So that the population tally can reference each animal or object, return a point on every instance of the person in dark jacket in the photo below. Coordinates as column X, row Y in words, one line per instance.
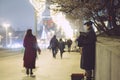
column 61, row 47
column 88, row 44
column 69, row 43
column 30, row 53
column 54, row 45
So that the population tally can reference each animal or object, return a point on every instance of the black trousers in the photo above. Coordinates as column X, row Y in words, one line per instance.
column 29, row 71
column 54, row 52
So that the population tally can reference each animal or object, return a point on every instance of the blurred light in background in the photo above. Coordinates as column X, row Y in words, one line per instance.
column 62, row 23
column 6, row 25
column 15, row 45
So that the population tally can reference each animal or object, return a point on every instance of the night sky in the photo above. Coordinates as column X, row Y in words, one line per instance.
column 19, row 13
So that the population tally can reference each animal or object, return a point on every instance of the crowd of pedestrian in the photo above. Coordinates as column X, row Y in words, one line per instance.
column 59, row 45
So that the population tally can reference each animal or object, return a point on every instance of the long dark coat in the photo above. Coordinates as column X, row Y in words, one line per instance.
column 88, row 51
column 30, row 52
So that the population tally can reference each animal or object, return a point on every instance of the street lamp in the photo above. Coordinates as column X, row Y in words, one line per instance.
column 10, row 38
column 6, row 29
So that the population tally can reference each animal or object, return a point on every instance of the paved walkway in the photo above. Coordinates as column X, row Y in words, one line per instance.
column 47, row 68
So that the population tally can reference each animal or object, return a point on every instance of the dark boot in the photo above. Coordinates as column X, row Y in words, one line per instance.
column 31, row 72
column 61, row 55
column 88, row 74
column 88, row 78
column 27, row 71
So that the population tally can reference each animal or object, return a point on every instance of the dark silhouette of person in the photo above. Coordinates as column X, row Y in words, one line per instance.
column 30, row 53
column 61, row 47
column 69, row 43
column 54, row 45
column 80, row 40
column 88, row 44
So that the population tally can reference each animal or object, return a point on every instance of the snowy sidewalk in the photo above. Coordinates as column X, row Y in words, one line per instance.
column 47, row 68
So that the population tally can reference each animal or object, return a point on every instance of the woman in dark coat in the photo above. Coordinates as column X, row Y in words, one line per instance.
column 30, row 53
column 88, row 50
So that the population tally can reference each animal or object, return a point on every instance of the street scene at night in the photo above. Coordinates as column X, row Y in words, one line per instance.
column 59, row 39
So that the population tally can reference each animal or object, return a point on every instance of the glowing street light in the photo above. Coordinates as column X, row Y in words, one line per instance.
column 10, row 38
column 6, row 25
column 63, row 23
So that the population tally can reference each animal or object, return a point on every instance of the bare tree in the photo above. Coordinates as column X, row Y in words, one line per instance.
column 97, row 10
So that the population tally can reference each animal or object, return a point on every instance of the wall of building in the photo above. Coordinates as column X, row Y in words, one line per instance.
column 108, row 59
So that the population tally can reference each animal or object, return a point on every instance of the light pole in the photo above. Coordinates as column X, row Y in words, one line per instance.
column 36, row 20
column 10, row 38
column 6, row 29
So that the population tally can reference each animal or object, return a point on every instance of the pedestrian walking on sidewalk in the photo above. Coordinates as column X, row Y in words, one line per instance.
column 54, row 45
column 88, row 44
column 30, row 53
column 61, row 47
column 69, row 43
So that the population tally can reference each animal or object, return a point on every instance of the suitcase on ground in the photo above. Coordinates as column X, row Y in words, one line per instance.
column 77, row 76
